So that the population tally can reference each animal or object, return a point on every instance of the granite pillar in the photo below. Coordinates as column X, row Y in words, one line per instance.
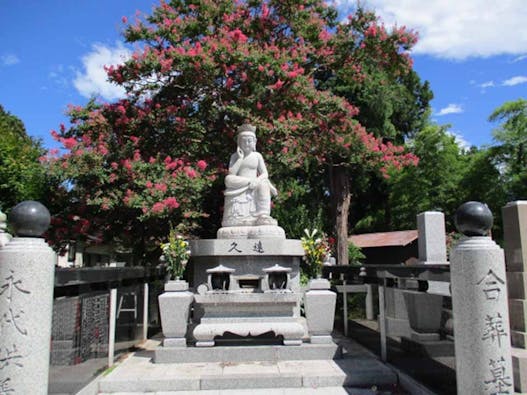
column 481, row 317
column 26, row 293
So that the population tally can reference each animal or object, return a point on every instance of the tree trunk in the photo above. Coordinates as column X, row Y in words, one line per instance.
column 341, row 199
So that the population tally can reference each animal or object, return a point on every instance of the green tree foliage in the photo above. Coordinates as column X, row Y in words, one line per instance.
column 447, row 176
column 21, row 175
column 484, row 182
column 202, row 68
column 511, row 151
column 434, row 183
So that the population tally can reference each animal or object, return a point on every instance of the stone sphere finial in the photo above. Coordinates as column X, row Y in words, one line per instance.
column 473, row 219
column 29, row 219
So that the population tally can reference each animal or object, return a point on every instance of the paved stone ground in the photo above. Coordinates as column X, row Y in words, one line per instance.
column 71, row 379
column 435, row 374
column 356, row 373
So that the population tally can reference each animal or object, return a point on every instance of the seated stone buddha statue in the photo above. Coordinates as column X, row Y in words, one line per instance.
column 247, row 187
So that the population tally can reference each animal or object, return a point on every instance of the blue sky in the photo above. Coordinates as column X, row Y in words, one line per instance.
column 473, row 52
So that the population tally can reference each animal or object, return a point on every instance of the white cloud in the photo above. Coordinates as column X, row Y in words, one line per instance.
column 9, row 59
column 519, row 79
column 93, row 79
column 450, row 109
column 487, row 84
column 460, row 140
column 519, row 59
column 457, row 29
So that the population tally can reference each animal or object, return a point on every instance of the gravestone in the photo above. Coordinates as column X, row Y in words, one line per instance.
column 413, row 314
column 425, row 309
column 515, row 238
column 432, row 239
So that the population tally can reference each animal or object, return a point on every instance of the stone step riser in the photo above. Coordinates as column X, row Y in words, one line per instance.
column 364, row 379
column 246, row 353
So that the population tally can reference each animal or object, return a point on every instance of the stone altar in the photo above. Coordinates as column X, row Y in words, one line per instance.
column 250, row 299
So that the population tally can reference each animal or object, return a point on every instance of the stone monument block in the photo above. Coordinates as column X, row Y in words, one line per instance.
column 432, row 239
column 515, row 235
column 515, row 238
column 518, row 339
column 517, row 285
column 518, row 314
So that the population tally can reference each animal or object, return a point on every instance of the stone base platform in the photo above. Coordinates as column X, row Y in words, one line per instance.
column 238, row 354
column 359, row 371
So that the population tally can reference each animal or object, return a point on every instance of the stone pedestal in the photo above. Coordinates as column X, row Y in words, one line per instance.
column 319, row 303
column 251, row 232
column 515, row 238
column 174, row 307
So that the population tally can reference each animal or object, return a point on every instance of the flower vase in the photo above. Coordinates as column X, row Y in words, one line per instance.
column 319, row 304
column 174, row 307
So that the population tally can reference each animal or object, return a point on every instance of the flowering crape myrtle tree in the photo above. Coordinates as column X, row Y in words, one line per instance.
column 201, row 68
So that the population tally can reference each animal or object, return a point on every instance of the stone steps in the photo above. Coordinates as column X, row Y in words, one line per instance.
column 357, row 371
column 138, row 374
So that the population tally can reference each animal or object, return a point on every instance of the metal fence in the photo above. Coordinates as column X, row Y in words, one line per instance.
column 83, row 324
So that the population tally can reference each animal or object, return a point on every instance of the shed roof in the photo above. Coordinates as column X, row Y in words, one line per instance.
column 384, row 239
